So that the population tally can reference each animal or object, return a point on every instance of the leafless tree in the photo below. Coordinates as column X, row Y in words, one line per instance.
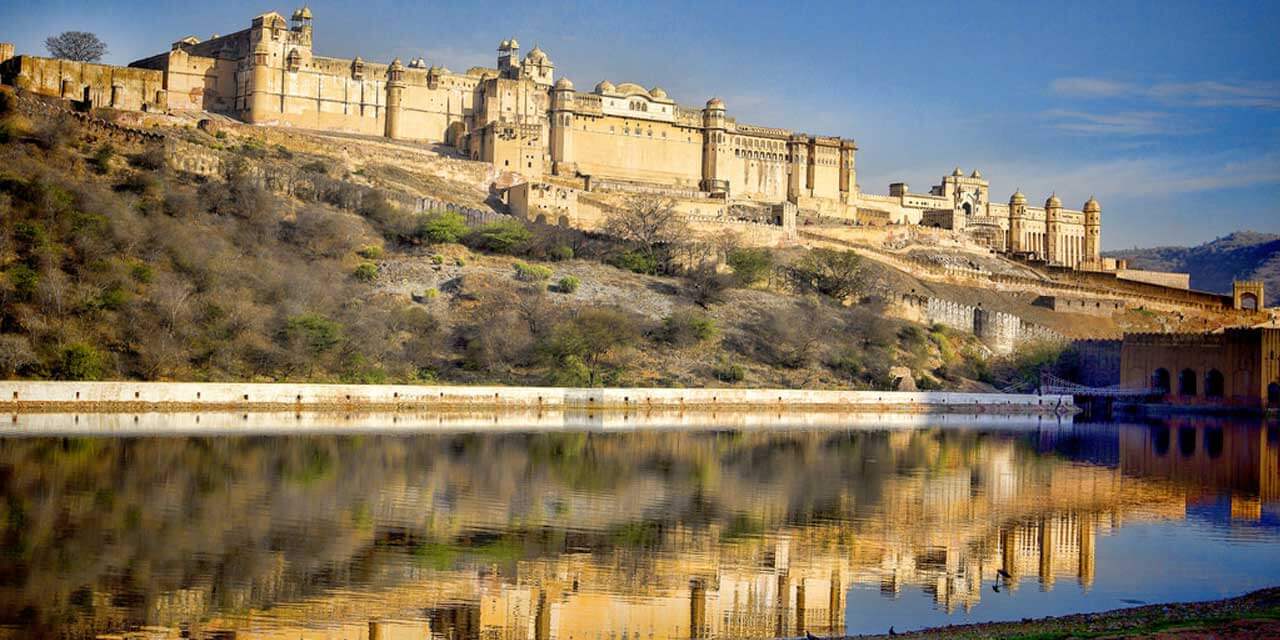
column 81, row 46
column 648, row 222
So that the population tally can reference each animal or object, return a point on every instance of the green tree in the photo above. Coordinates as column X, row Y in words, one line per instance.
column 750, row 264
column 79, row 361
column 586, row 342
column 316, row 333
column 442, row 226
column 500, row 237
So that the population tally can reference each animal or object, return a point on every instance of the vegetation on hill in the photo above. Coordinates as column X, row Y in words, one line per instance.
column 1243, row 255
column 114, row 267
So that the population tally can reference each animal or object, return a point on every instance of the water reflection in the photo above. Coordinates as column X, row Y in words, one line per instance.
column 627, row 536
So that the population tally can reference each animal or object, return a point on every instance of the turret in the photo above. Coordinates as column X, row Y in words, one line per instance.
column 562, row 105
column 260, row 94
column 715, row 143
column 301, row 25
column 1093, row 232
column 1017, row 222
column 509, row 58
column 395, row 98
column 848, row 170
column 1052, row 229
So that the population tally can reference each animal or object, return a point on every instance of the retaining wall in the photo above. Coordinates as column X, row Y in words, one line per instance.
column 521, row 421
column 16, row 396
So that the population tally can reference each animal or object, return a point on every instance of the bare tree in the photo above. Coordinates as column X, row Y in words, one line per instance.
column 648, row 222
column 81, row 46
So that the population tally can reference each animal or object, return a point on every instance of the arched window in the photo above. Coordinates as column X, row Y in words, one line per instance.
column 1214, row 385
column 1160, row 381
column 1187, row 441
column 1213, row 441
column 1160, row 440
column 1187, row 383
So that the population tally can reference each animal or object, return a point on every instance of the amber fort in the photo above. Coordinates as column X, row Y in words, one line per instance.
column 522, row 118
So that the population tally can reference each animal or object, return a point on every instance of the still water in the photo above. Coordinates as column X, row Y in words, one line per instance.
column 632, row 535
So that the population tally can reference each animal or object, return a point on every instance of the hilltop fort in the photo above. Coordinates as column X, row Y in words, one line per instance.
column 519, row 117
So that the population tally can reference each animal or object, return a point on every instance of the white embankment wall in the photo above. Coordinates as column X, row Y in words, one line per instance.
column 17, row 395
column 217, row 423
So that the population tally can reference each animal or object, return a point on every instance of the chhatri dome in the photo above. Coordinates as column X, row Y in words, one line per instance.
column 975, row 174
column 563, row 83
column 536, row 55
column 605, row 86
column 1091, row 205
column 1053, row 202
column 1018, row 197
column 658, row 93
column 957, row 173
column 715, row 103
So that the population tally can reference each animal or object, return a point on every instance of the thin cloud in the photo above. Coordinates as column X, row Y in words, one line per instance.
column 1127, row 123
column 1207, row 94
column 1090, row 88
column 1219, row 94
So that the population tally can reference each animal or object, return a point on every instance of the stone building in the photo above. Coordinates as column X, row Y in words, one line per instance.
column 519, row 117
column 1232, row 367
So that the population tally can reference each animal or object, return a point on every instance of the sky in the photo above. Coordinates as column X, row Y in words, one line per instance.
column 1168, row 112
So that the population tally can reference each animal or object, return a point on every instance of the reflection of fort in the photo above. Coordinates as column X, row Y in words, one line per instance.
column 781, row 567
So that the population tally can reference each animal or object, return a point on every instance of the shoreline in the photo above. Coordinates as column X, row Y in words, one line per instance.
column 1252, row 615
column 26, row 397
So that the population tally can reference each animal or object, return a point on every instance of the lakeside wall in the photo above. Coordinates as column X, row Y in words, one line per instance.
column 19, row 396
column 228, row 423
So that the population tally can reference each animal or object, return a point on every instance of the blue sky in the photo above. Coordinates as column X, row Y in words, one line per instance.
column 1169, row 112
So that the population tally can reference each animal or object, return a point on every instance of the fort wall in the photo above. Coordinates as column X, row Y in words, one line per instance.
column 100, row 84
column 1001, row 331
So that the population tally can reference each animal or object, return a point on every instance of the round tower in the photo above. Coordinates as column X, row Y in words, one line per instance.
column 1052, row 229
column 260, row 102
column 714, row 143
column 395, row 98
column 562, row 127
column 1017, row 222
column 1093, row 232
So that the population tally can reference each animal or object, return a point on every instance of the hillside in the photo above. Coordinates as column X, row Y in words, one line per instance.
column 1243, row 255
column 309, row 257
column 115, row 266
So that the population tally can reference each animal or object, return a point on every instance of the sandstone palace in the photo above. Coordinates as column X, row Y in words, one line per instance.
column 561, row 141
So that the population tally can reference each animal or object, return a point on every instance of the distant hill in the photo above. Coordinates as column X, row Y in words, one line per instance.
column 1243, row 255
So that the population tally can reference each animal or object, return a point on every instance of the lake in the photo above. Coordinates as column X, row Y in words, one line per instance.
column 633, row 534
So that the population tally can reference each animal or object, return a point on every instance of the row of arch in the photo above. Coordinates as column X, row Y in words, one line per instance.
column 1191, row 385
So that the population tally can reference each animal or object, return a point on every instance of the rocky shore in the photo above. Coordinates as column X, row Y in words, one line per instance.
column 1253, row 615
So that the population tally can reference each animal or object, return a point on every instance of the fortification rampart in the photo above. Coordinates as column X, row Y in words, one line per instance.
column 1001, row 331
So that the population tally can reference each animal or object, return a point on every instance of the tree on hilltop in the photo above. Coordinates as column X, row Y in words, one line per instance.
column 80, row 46
column 648, row 222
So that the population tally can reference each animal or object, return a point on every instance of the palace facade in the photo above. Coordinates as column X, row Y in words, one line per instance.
column 521, row 118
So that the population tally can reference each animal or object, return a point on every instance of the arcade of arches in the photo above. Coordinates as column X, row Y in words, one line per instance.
column 1236, row 366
